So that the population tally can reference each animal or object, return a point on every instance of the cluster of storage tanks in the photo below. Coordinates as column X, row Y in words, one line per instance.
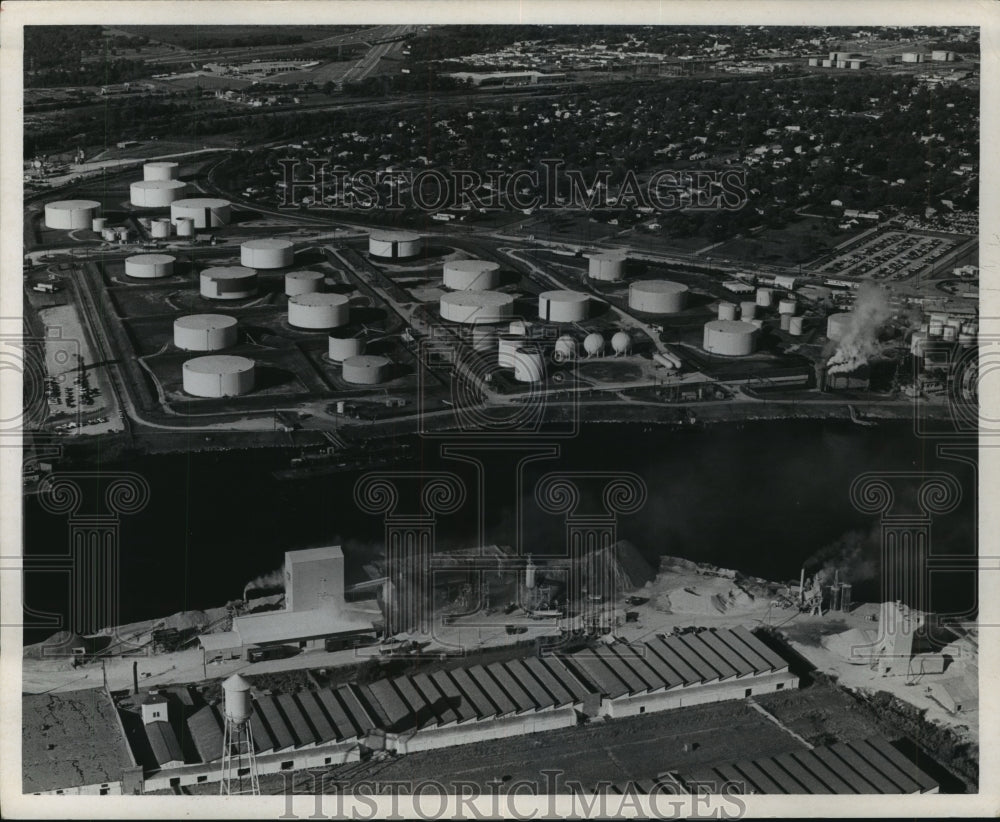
column 941, row 327
column 395, row 245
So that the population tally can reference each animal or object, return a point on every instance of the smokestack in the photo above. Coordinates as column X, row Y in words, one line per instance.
column 802, row 586
column 135, row 676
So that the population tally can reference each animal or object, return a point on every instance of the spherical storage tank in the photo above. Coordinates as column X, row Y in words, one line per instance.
column 71, row 214
column 218, row 375
column 340, row 349
column 155, row 193
column 727, row 311
column 477, row 307
column 228, row 282
column 607, row 266
column 837, row 325
column 205, row 212
column 593, row 344
column 149, row 265
column 237, row 699
column 159, row 228
column 565, row 349
column 563, row 306
column 657, row 296
column 477, row 275
column 205, row 332
column 367, row 369
column 394, row 245
column 160, row 171
column 621, row 342
column 528, row 364
column 319, row 310
column 730, row 338
column 303, row 282
column 267, row 253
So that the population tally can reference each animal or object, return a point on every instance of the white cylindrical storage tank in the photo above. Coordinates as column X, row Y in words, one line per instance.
column 228, row 282
column 949, row 333
column 395, row 245
column 837, row 325
column 918, row 343
column 563, row 306
column 236, row 691
column 340, row 349
column 787, row 307
column 529, row 366
column 205, row 332
column 565, row 349
column 367, row 369
column 476, row 307
column 785, row 321
column 149, row 265
column 748, row 310
column 159, row 229
column 109, row 234
column 156, row 193
column 606, row 266
column 303, row 282
column 730, row 338
column 483, row 337
column 69, row 215
column 98, row 224
column 475, row 275
column 657, row 296
column 218, row 375
column 764, row 297
column 184, row 226
column 160, row 170
column 727, row 311
column 319, row 310
column 507, row 344
column 267, row 253
column 795, row 326
column 621, row 343
column 205, row 212
column 593, row 344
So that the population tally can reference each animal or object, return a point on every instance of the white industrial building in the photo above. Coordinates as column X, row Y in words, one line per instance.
column 657, row 296
column 218, row 375
column 70, row 215
column 563, row 306
column 607, row 266
column 471, row 275
column 156, row 193
column 395, row 245
column 367, row 369
column 476, row 307
column 205, row 332
column 232, row 282
column 730, row 338
column 204, row 212
column 267, row 253
column 149, row 266
column 303, row 282
column 318, row 310
column 160, row 170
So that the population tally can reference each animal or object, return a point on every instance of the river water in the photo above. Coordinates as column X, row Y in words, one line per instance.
column 763, row 498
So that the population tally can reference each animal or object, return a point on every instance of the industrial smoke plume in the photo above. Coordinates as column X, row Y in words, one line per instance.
column 860, row 342
column 854, row 556
column 275, row 579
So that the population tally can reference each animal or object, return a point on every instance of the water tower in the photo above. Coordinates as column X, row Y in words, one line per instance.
column 239, row 760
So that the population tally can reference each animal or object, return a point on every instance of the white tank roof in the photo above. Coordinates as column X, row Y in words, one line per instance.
column 737, row 327
column 236, row 683
column 659, row 287
column 304, row 275
column 473, row 266
column 316, row 298
column 205, row 322
column 267, row 243
column 367, row 361
column 219, row 364
column 607, row 255
column 478, row 298
column 201, row 202
column 159, row 184
column 150, row 259
column 73, row 205
column 394, row 236
column 564, row 296
column 229, row 272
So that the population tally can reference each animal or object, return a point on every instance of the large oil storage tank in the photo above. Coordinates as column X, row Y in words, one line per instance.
column 730, row 338
column 160, row 170
column 184, row 226
column 268, row 252
column 471, row 275
column 160, row 229
column 593, row 344
column 606, row 266
column 395, row 245
column 205, row 332
column 565, row 349
column 563, row 306
column 70, row 215
column 367, row 369
column 319, row 310
column 343, row 348
column 231, row 282
column 156, row 193
column 529, row 366
column 218, row 375
column 727, row 311
column 149, row 266
column 477, row 307
column 838, row 324
column 657, row 296
column 748, row 310
column 303, row 282
column 764, row 297
column 205, row 212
